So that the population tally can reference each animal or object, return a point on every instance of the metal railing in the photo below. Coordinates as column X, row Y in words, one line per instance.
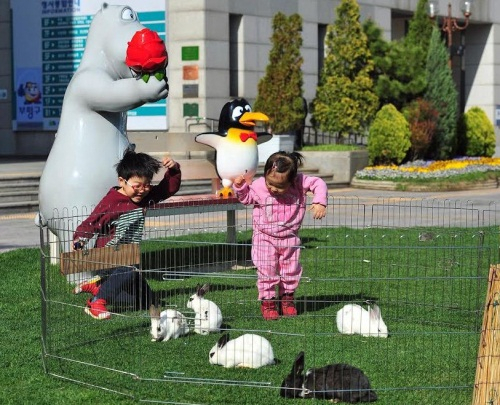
column 196, row 121
column 314, row 136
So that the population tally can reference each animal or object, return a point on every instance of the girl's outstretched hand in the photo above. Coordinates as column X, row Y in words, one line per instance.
column 239, row 181
column 318, row 211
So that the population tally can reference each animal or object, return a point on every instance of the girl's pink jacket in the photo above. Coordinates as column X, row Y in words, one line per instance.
column 281, row 215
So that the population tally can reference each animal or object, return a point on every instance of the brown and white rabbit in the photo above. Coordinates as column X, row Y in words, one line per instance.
column 340, row 382
column 208, row 316
column 169, row 324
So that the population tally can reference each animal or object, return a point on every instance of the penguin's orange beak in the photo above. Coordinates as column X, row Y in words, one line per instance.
column 248, row 119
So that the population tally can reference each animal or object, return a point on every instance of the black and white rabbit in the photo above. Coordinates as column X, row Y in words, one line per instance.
column 208, row 316
column 341, row 382
column 167, row 324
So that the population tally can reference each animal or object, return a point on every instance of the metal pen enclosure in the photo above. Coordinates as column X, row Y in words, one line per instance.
column 424, row 262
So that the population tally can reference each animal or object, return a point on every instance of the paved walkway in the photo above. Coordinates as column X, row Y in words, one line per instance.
column 15, row 166
column 19, row 230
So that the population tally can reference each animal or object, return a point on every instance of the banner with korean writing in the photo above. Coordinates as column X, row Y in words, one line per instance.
column 49, row 36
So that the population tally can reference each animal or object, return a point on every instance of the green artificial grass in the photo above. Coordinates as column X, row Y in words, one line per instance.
column 22, row 377
column 430, row 288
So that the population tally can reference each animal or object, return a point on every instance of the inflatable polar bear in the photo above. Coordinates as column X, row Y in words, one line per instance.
column 91, row 136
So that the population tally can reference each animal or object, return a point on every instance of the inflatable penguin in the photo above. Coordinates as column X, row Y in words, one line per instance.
column 235, row 143
column 91, row 136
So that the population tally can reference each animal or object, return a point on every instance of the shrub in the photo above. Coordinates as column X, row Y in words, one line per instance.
column 478, row 133
column 389, row 138
column 422, row 118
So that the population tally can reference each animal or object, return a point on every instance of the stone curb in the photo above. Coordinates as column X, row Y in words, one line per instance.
column 400, row 186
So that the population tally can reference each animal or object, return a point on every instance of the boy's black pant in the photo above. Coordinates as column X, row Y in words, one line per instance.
column 125, row 286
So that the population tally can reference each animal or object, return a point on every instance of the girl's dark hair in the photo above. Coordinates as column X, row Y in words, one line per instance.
column 137, row 164
column 284, row 162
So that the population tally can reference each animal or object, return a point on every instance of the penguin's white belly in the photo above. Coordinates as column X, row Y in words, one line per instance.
column 233, row 164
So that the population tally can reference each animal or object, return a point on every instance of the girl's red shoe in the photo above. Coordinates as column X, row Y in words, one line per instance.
column 269, row 310
column 287, row 305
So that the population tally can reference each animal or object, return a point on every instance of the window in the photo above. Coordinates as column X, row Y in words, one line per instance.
column 321, row 48
column 234, row 28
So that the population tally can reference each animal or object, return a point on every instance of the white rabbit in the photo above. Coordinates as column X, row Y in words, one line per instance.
column 169, row 324
column 249, row 350
column 208, row 316
column 354, row 319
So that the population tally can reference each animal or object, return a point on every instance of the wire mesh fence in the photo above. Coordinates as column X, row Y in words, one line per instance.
column 423, row 264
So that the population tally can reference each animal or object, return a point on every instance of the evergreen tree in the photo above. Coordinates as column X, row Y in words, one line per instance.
column 442, row 93
column 345, row 101
column 420, row 29
column 403, row 81
column 280, row 90
column 404, row 76
column 379, row 49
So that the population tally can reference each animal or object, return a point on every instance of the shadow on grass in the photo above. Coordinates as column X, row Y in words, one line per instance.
column 316, row 303
column 183, row 291
column 177, row 262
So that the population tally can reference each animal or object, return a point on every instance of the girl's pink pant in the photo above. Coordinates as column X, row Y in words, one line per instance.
column 277, row 262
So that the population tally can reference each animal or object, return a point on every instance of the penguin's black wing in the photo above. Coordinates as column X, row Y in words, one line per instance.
column 263, row 137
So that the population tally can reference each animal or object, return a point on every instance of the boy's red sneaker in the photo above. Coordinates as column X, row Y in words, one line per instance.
column 90, row 286
column 97, row 309
column 287, row 305
column 268, row 310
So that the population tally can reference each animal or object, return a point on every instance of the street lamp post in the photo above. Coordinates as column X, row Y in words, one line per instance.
column 450, row 24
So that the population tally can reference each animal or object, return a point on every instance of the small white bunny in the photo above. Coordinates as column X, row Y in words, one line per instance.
column 354, row 319
column 249, row 350
column 169, row 324
column 208, row 316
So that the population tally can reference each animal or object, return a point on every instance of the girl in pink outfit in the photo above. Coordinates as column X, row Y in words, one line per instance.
column 279, row 205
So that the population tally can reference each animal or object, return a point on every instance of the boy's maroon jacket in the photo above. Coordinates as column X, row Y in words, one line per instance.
column 105, row 217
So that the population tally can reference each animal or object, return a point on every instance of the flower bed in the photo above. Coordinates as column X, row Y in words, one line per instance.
column 441, row 169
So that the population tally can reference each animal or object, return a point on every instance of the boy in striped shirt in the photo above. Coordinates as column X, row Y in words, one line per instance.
column 118, row 219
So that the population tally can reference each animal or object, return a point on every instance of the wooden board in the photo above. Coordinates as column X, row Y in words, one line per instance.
column 100, row 258
column 487, row 382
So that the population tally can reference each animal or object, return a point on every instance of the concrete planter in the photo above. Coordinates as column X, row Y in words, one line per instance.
column 430, row 187
column 343, row 165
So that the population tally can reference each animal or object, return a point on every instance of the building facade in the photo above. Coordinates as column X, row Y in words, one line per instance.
column 218, row 50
